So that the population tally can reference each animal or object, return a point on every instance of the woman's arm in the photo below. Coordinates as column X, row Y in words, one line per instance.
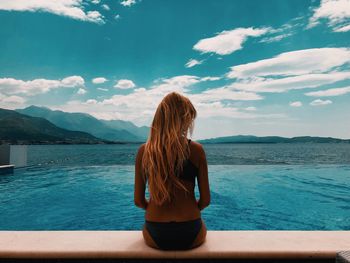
column 203, row 180
column 140, row 184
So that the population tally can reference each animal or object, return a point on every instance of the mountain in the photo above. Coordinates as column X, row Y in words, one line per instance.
column 108, row 130
column 272, row 139
column 141, row 132
column 19, row 128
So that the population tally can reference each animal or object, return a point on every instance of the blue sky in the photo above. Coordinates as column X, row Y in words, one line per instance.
column 249, row 67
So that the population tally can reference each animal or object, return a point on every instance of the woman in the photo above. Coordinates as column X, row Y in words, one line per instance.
column 170, row 163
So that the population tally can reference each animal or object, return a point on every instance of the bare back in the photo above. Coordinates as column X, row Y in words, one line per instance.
column 185, row 206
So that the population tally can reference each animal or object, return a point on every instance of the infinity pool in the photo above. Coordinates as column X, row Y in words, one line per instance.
column 245, row 197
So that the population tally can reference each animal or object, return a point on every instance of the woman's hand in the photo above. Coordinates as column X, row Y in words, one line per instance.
column 201, row 205
column 198, row 204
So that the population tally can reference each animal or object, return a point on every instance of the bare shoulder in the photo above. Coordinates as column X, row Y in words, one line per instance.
column 196, row 145
column 141, row 149
column 198, row 149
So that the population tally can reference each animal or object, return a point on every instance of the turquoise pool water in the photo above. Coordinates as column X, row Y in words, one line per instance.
column 246, row 197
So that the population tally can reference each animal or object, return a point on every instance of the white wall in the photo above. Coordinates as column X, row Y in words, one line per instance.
column 18, row 155
column 13, row 154
column 4, row 154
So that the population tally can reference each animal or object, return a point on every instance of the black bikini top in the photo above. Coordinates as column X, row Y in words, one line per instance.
column 190, row 171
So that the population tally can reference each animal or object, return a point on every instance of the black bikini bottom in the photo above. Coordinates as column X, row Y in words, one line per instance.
column 174, row 235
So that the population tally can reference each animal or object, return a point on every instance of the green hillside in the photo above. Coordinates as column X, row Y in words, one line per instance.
column 20, row 128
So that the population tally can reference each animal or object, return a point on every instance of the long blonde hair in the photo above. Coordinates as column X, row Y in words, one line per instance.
column 167, row 147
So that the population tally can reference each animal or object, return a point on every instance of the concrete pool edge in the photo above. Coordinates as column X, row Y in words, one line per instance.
column 130, row 244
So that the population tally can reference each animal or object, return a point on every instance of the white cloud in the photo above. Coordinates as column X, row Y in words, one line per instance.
column 128, row 2
column 290, row 83
column 12, row 86
column 13, row 99
column 99, row 80
column 294, row 63
column 224, row 93
column 81, row 91
column 139, row 106
column 212, row 109
column 301, row 69
column 181, row 82
column 11, row 102
column 125, row 84
column 102, row 89
column 95, row 1
column 329, row 92
column 277, row 38
column 139, row 89
column 250, row 108
column 91, row 102
column 342, row 28
column 117, row 17
column 70, row 8
column 210, row 78
column 177, row 83
column 95, row 16
column 227, row 42
column 193, row 62
column 296, row 104
column 106, row 7
column 319, row 102
column 284, row 31
column 73, row 81
column 336, row 12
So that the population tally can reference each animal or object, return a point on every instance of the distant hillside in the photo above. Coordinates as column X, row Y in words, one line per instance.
column 108, row 130
column 272, row 139
column 20, row 128
column 142, row 132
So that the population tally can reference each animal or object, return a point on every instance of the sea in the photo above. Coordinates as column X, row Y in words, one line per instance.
column 300, row 186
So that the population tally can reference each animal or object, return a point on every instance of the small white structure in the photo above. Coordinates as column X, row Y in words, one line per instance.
column 13, row 155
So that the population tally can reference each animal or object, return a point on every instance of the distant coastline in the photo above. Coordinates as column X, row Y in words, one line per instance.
column 239, row 139
column 17, row 127
column 246, row 139
column 20, row 128
column 58, row 142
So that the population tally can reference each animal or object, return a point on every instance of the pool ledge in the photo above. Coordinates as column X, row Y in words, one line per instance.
column 130, row 244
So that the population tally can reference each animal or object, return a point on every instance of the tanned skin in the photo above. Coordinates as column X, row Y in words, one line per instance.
column 185, row 206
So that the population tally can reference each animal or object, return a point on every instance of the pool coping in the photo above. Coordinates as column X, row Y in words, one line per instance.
column 130, row 244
